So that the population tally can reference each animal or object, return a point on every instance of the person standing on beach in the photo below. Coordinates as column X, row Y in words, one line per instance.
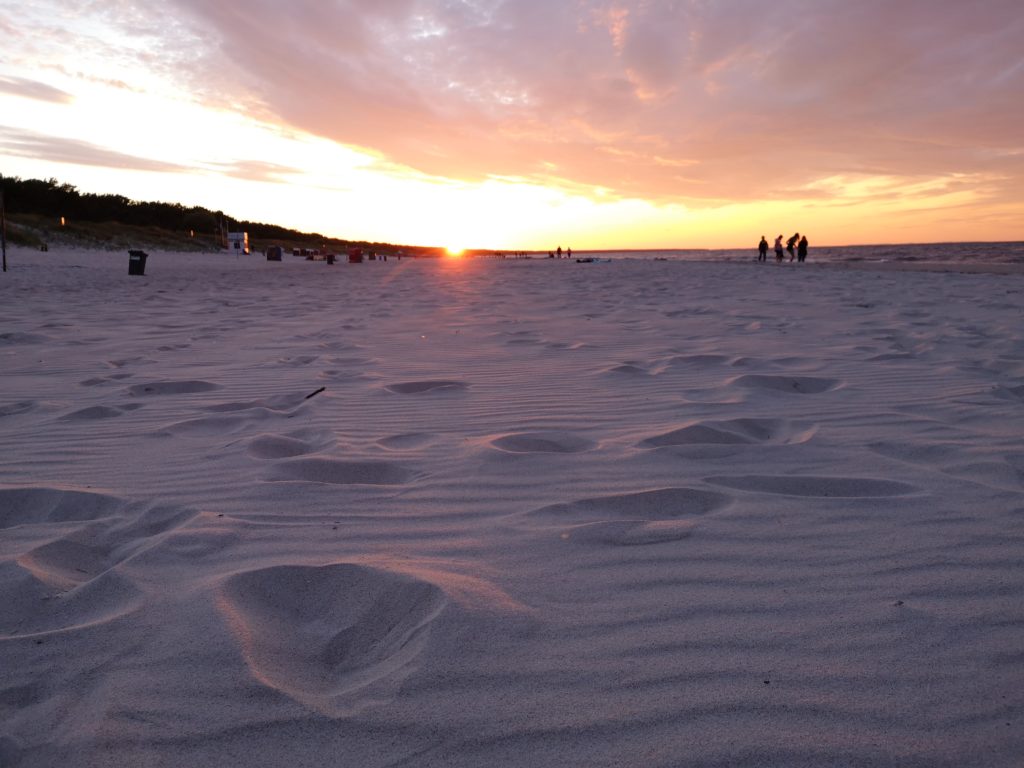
column 762, row 250
column 801, row 249
column 778, row 249
column 790, row 244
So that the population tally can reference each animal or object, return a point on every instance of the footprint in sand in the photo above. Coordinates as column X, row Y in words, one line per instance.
column 407, row 441
column 569, row 346
column 207, row 426
column 519, row 338
column 286, row 446
column 173, row 388
column 128, row 361
column 296, row 362
column 734, row 432
column 1010, row 393
column 99, row 380
column 631, row 519
column 814, row 486
column 93, row 413
column 340, row 346
column 72, row 580
column 325, row 635
column 628, row 368
column 801, row 385
column 277, row 403
column 20, row 337
column 89, row 552
column 12, row 409
column 32, row 606
column 234, row 417
column 339, row 472
column 543, row 442
column 692, row 362
column 420, row 387
column 344, row 375
column 38, row 505
column 278, row 447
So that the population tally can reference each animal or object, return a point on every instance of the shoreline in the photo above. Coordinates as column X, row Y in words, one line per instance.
column 965, row 267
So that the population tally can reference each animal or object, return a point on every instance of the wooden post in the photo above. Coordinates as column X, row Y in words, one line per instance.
column 3, row 229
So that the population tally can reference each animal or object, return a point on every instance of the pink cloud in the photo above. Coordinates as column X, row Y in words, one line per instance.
column 661, row 99
column 58, row 149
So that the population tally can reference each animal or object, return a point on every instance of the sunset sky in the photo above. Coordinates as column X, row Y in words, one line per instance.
column 533, row 123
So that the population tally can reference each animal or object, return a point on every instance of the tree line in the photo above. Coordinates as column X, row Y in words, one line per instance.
column 49, row 197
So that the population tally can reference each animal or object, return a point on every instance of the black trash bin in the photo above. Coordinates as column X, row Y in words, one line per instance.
column 137, row 262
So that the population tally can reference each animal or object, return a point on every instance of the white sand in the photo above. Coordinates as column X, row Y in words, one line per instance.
column 543, row 514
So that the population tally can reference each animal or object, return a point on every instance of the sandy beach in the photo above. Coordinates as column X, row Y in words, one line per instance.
column 509, row 513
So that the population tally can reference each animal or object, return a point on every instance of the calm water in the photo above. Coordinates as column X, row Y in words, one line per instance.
column 982, row 253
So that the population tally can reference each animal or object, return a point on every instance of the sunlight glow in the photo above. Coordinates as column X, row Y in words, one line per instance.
column 87, row 101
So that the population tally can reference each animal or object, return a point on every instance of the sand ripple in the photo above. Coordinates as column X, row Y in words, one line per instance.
column 663, row 503
column 543, row 442
column 840, row 487
column 338, row 472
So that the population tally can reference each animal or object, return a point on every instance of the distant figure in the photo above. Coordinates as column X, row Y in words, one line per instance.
column 762, row 250
column 790, row 244
column 801, row 249
column 778, row 249
column 559, row 251
column 568, row 253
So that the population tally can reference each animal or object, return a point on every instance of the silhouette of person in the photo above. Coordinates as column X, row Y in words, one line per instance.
column 762, row 250
column 801, row 249
column 559, row 251
column 790, row 243
column 778, row 249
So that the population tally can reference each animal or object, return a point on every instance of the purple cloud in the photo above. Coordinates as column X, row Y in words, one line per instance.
column 63, row 150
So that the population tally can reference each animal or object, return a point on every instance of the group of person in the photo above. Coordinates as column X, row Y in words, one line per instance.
column 796, row 246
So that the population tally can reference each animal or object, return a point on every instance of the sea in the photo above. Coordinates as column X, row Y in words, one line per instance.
column 931, row 253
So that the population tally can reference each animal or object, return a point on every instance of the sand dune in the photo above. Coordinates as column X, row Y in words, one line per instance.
column 523, row 513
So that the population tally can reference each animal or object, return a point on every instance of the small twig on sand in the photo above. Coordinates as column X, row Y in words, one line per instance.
column 312, row 394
